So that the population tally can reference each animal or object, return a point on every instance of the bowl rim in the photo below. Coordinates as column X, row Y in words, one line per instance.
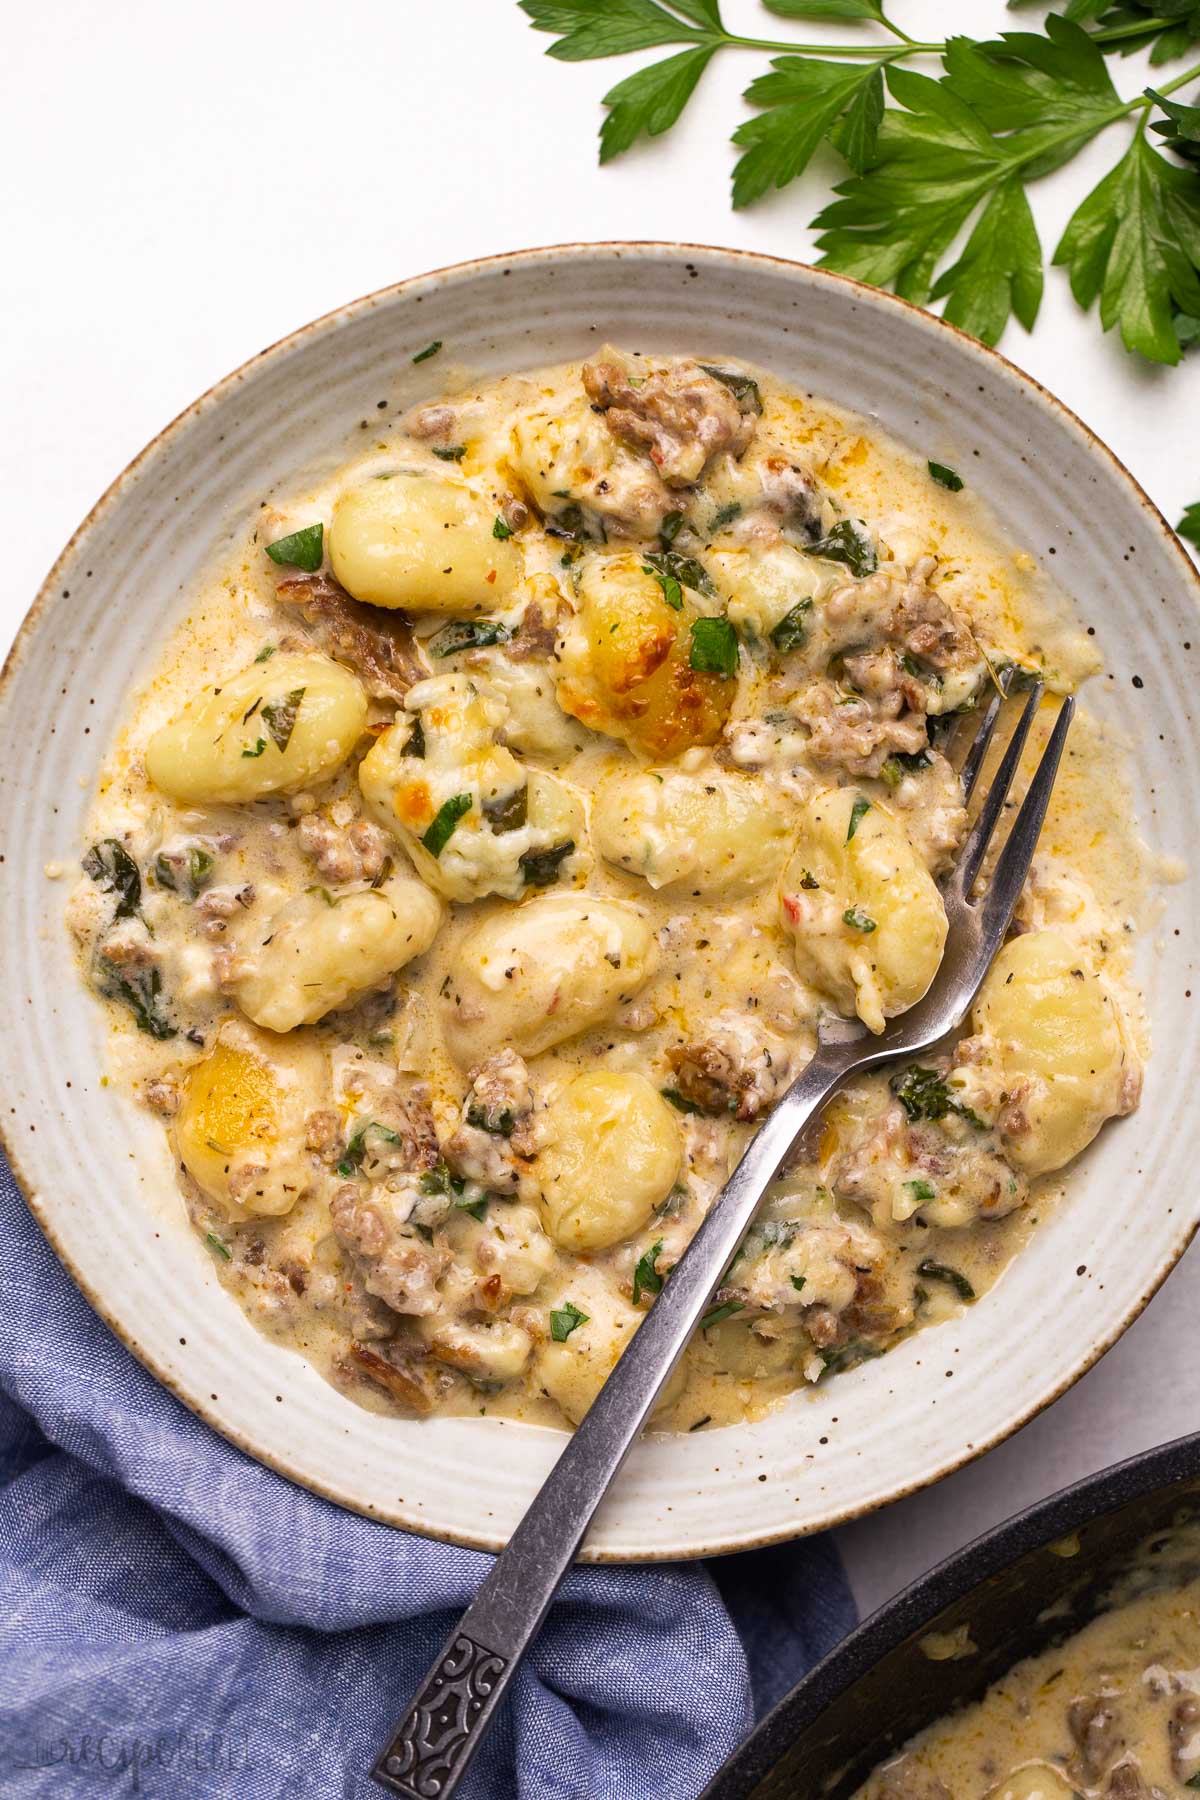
column 916, row 1606
column 580, row 250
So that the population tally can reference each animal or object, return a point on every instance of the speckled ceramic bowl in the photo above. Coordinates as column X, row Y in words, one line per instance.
column 115, row 1217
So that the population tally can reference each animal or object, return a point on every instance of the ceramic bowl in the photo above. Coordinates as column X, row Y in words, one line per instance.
column 115, row 1217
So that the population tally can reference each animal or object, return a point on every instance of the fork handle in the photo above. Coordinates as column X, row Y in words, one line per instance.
column 444, row 1725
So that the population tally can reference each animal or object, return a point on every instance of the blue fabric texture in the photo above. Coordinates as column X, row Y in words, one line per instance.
column 176, row 1621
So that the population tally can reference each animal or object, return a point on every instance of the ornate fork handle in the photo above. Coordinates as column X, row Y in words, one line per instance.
column 450, row 1715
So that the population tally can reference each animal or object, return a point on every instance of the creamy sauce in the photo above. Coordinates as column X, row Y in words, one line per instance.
column 1113, row 1712
column 473, row 939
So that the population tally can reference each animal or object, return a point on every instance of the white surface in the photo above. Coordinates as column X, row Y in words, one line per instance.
column 187, row 184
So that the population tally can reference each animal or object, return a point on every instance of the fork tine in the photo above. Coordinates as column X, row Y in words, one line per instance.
column 1012, row 864
column 973, row 761
column 980, row 834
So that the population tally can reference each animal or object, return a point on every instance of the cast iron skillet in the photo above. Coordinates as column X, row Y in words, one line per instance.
column 879, row 1687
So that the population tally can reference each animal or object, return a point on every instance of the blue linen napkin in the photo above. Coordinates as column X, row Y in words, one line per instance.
column 176, row 1621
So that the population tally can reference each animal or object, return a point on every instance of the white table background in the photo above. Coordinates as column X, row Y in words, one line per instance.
column 187, row 183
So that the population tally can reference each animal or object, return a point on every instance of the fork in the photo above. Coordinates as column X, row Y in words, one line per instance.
column 445, row 1723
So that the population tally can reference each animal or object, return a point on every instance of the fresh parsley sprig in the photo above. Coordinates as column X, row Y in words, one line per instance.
column 954, row 153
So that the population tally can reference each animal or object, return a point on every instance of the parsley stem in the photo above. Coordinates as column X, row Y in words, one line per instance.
column 896, row 31
column 1168, row 87
column 1113, row 34
column 863, row 52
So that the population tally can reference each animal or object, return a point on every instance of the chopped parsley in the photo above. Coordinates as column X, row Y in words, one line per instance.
column 110, row 865
column 714, row 648
column 468, row 634
column 744, row 388
column 564, row 1321
column 499, row 1120
column 138, row 989
column 259, row 746
column 725, row 515
column 541, row 868
column 501, row 528
column 672, row 593
column 302, row 549
column 858, row 812
column 646, row 1278
column 429, row 350
column 266, row 653
column 945, row 477
column 279, row 717
column 921, row 1190
column 924, row 1095
column 507, row 812
column 450, row 452
column 847, row 544
column 799, row 1282
column 848, row 1356
column 219, row 1245
column 476, row 1208
column 858, row 920
column 720, row 1313
column 687, row 570
column 902, row 763
column 439, row 833
column 414, row 744
column 674, row 1098
column 791, row 633
column 184, row 875
column 669, row 530
column 356, row 1148
column 936, row 1271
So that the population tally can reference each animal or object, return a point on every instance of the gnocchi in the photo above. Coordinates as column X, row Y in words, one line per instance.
column 864, row 913
column 625, row 665
column 1052, row 1056
column 563, row 963
column 273, row 728
column 321, row 951
column 612, row 1155
column 423, row 540
column 704, row 830
column 472, row 818
column 240, row 1129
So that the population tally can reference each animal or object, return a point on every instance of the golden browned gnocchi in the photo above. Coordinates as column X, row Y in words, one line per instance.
column 494, row 841
column 273, row 728
column 626, row 666
column 240, row 1129
column 421, row 539
column 867, row 921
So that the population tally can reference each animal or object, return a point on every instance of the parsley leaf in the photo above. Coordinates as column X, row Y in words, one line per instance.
column 1134, row 243
column 714, row 647
column 468, row 634
column 720, row 1313
column 1189, row 526
column 685, row 569
column 924, row 1095
column 651, row 100
column 848, row 544
column 826, row 9
column 429, row 350
column 1181, row 127
column 300, row 550
column 564, row 1321
column 646, row 1278
column 114, row 871
column 936, row 1271
column 438, row 834
column 594, row 28
column 947, row 478
column 500, row 528
column 791, row 633
column 804, row 99
column 857, row 812
column 279, row 717
column 858, row 920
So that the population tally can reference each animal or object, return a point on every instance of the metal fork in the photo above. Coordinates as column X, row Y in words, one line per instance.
column 443, row 1727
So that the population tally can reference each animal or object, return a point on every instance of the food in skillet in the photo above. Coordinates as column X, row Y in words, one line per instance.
column 1111, row 1714
column 473, row 874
